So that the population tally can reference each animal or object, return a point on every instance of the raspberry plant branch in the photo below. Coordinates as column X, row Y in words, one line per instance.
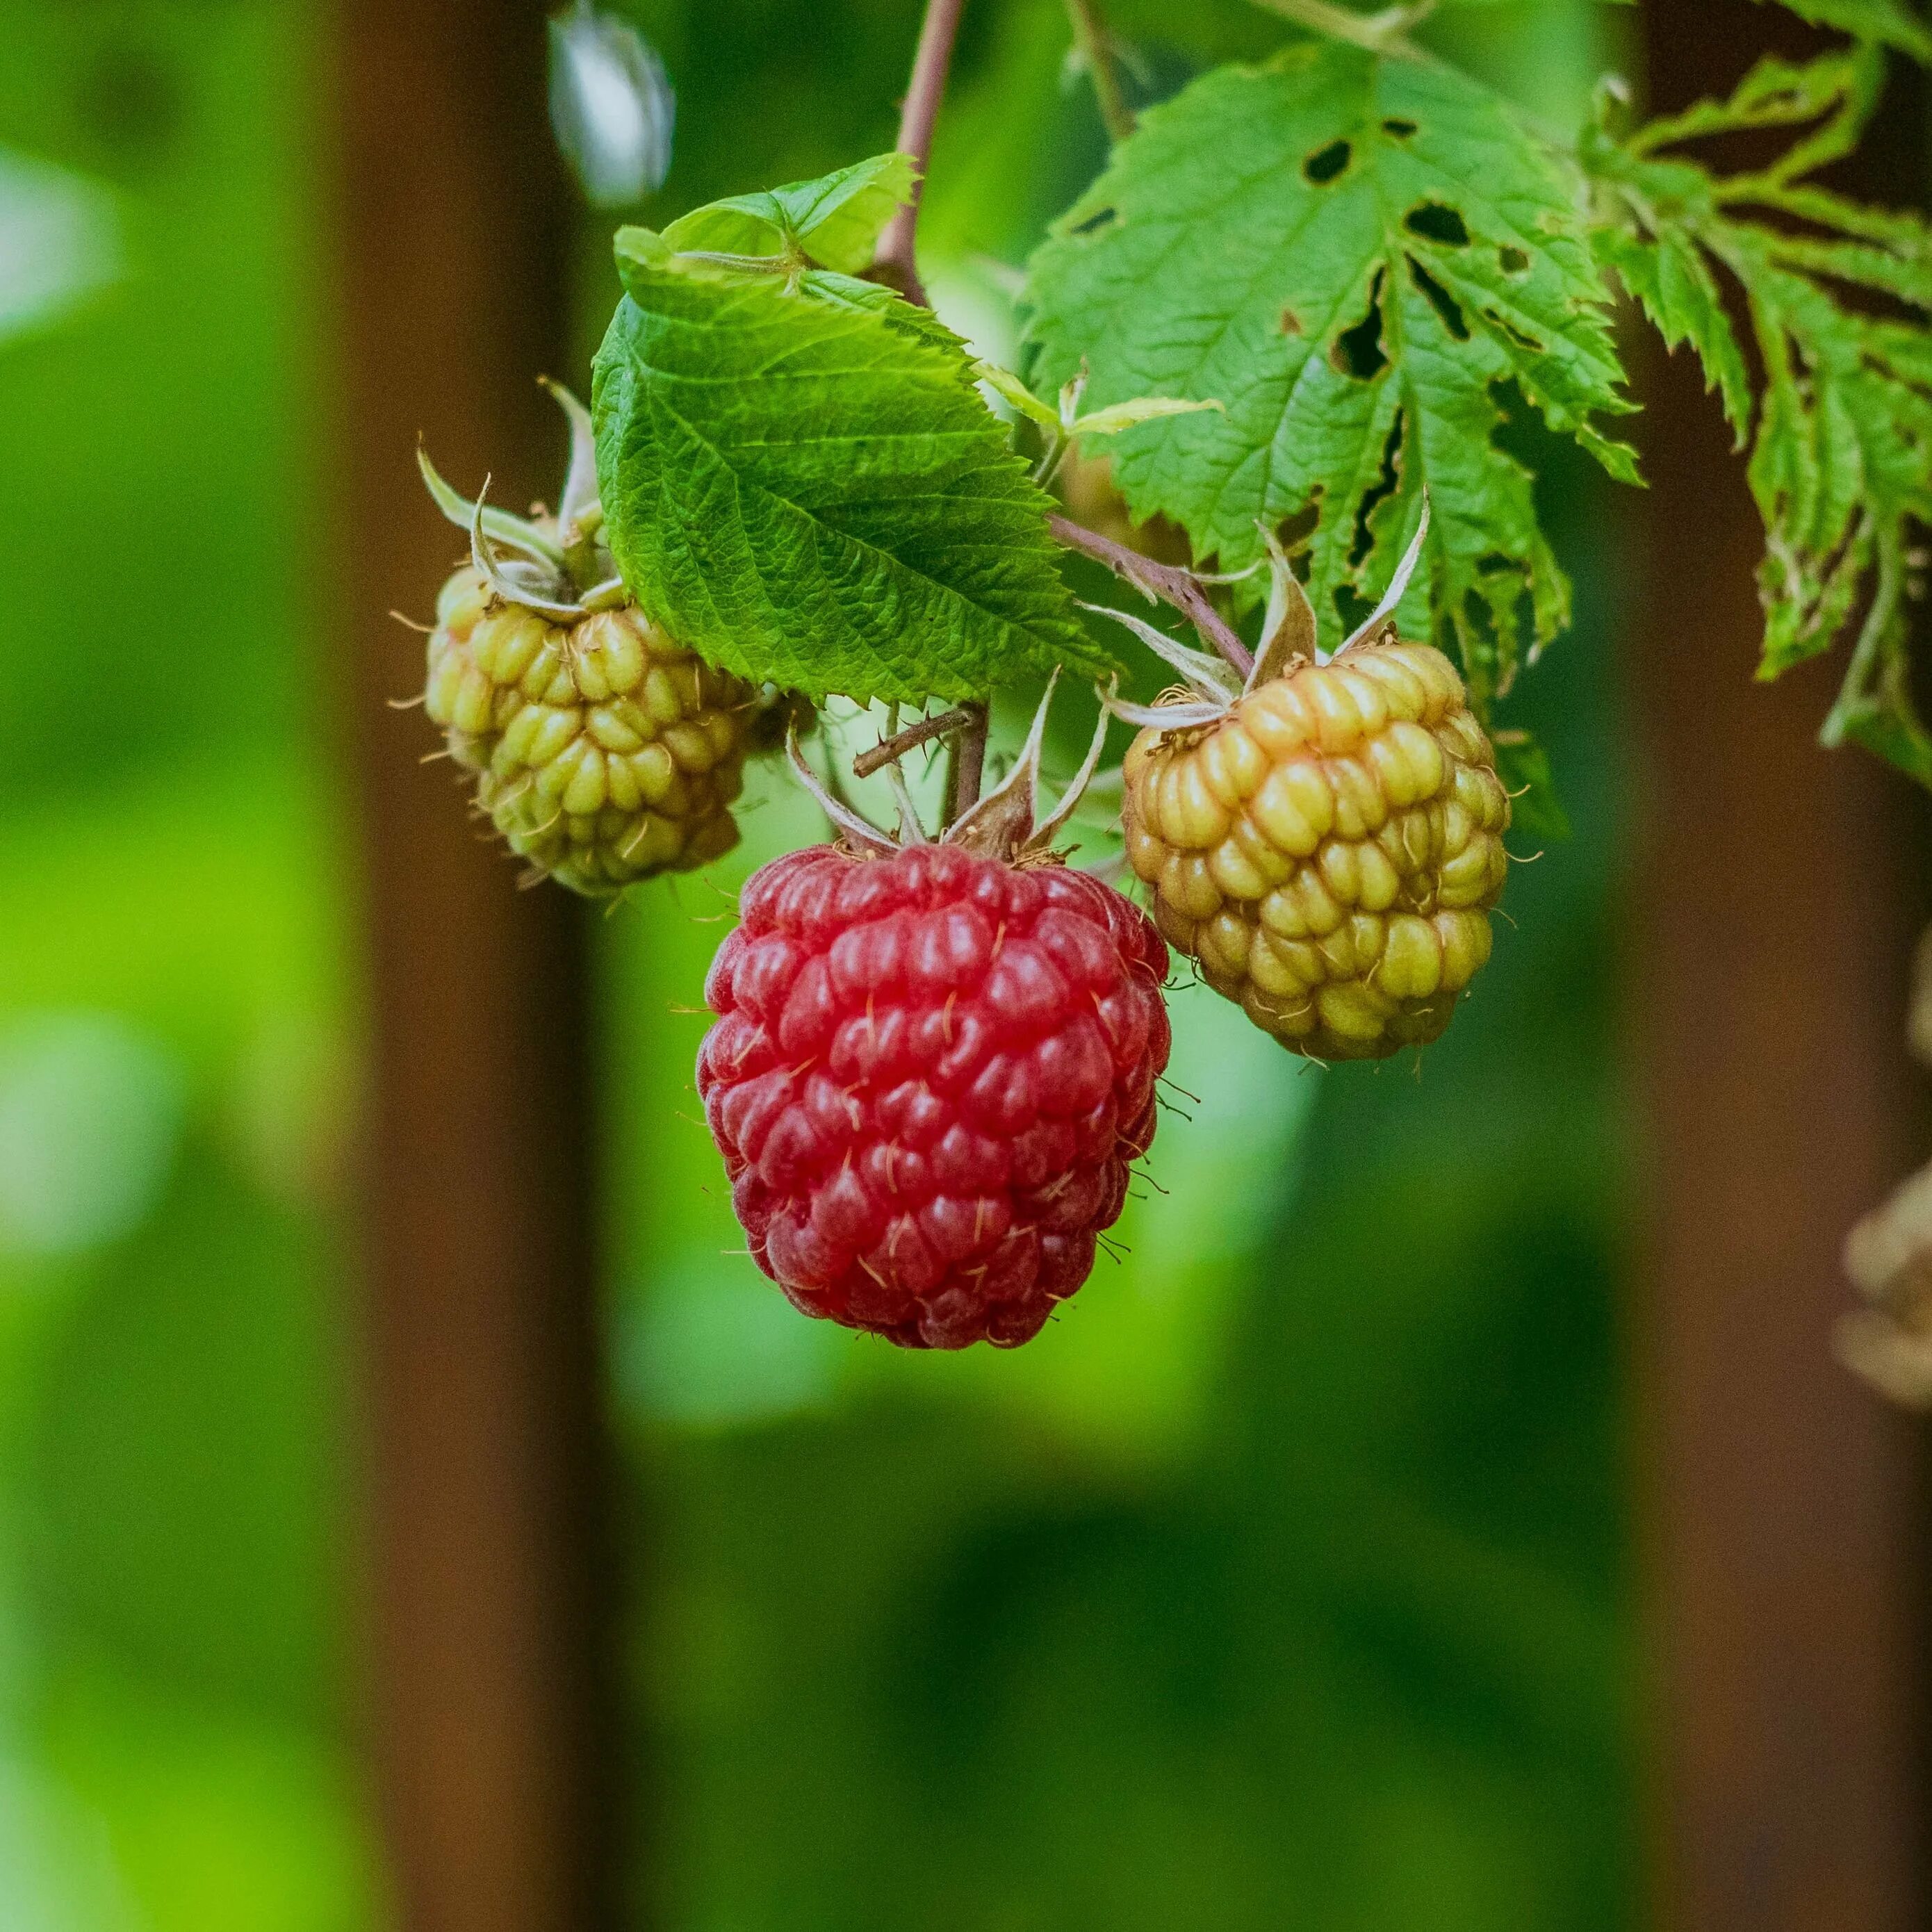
column 969, row 760
column 1306, row 299
column 1403, row 260
column 1096, row 47
column 1164, row 582
column 896, row 260
column 921, row 731
column 802, row 492
column 897, row 263
column 898, row 257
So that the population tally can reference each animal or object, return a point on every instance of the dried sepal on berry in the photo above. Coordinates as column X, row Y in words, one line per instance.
column 604, row 753
column 933, row 1066
column 1326, row 842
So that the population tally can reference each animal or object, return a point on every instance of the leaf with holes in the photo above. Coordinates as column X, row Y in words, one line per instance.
column 1361, row 259
column 1894, row 23
column 1839, row 301
column 801, row 483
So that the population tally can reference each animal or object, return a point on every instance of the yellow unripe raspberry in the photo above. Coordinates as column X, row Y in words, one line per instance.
column 1331, row 850
column 604, row 753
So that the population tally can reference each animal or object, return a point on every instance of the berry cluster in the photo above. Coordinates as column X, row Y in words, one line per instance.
column 934, row 1064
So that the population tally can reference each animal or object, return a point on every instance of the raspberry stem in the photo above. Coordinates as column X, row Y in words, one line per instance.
column 1096, row 45
column 969, row 760
column 921, row 731
column 896, row 263
column 1180, row 588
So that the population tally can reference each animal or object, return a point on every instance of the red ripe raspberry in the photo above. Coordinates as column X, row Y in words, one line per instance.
column 931, row 1071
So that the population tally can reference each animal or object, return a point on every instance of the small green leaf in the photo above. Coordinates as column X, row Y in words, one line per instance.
column 642, row 255
column 802, row 484
column 1360, row 257
column 836, row 222
column 1110, row 422
column 639, row 247
column 1010, row 389
column 1063, row 421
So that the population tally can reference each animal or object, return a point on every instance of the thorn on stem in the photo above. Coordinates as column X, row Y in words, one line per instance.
column 921, row 731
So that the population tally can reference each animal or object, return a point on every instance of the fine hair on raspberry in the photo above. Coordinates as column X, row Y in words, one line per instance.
column 930, row 1074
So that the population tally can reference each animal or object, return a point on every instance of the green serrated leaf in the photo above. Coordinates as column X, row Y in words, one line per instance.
column 642, row 255
column 1668, row 276
column 1841, row 464
column 1775, row 93
column 887, row 305
column 1894, row 23
column 1359, row 256
column 803, row 485
column 835, row 221
column 1876, row 708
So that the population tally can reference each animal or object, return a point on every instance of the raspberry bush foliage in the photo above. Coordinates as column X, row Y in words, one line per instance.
column 1293, row 332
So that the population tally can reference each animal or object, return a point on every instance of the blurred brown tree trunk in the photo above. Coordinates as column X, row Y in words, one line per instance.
column 493, row 1699
column 1782, row 1505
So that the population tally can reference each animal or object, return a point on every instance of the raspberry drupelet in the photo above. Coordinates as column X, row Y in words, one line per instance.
column 930, row 1071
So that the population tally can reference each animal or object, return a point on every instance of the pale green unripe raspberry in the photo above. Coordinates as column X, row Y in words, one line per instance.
column 1331, row 850
column 604, row 753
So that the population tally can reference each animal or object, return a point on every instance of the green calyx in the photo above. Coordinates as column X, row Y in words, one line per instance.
column 559, row 566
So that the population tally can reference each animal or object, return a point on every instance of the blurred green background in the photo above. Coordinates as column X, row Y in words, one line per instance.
column 1281, row 1583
